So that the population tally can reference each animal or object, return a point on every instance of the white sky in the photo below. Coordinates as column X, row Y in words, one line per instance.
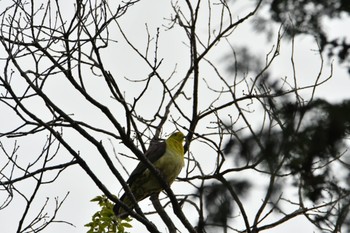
column 122, row 62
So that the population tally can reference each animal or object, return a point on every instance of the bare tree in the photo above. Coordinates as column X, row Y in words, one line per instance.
column 240, row 122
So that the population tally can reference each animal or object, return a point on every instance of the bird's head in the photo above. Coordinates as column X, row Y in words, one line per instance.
column 175, row 142
column 178, row 136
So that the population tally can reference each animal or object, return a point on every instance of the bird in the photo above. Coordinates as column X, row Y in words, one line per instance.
column 167, row 157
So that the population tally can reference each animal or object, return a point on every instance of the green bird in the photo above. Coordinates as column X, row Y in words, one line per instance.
column 168, row 157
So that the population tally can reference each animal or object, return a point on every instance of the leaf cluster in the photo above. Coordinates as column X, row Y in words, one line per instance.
column 104, row 220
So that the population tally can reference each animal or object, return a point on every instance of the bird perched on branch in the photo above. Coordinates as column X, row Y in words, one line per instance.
column 166, row 156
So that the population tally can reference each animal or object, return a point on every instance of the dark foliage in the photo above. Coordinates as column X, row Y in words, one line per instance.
column 311, row 140
column 219, row 202
column 307, row 18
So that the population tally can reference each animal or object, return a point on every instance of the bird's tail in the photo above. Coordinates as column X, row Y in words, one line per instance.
column 119, row 210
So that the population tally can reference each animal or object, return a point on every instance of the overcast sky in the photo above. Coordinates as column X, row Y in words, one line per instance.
column 122, row 62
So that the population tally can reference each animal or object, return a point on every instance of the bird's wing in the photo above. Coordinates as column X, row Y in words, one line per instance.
column 154, row 152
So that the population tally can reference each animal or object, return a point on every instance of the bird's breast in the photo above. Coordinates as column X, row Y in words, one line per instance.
column 170, row 165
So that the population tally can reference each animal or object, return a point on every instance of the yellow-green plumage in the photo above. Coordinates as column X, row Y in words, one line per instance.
column 167, row 157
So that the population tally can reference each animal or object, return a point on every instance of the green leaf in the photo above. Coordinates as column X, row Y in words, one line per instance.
column 125, row 224
column 98, row 198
